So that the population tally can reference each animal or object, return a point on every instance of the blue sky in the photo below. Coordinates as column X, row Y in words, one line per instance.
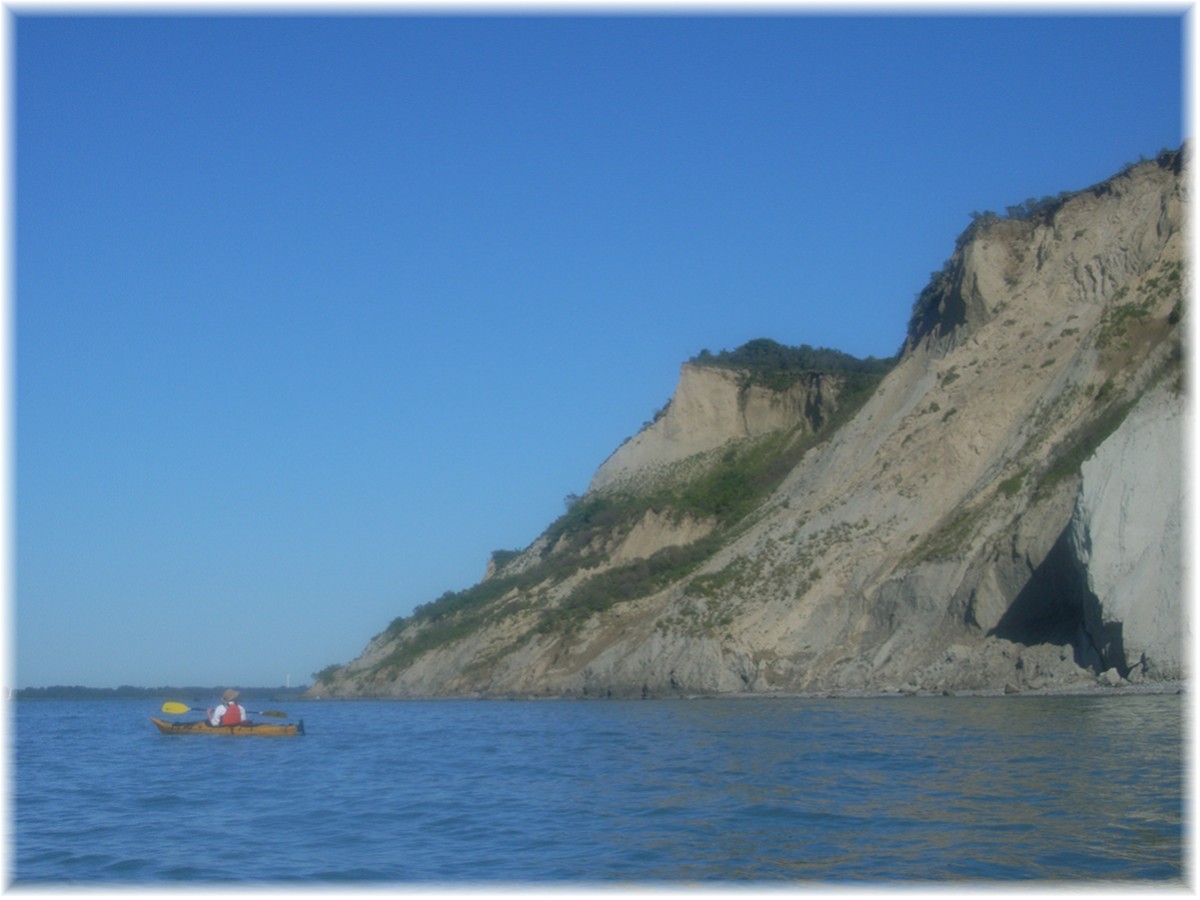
column 311, row 313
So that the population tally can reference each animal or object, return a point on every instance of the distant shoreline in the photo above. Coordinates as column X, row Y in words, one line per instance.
column 129, row 692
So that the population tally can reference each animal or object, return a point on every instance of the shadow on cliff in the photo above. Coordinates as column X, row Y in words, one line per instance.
column 1056, row 607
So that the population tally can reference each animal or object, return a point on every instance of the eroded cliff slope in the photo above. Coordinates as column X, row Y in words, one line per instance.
column 923, row 530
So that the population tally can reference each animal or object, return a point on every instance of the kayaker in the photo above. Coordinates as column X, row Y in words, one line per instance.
column 229, row 711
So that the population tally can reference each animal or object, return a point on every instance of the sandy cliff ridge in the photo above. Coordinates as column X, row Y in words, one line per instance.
column 710, row 408
column 1003, row 511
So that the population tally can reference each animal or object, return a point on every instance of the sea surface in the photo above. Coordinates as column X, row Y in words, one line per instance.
column 844, row 792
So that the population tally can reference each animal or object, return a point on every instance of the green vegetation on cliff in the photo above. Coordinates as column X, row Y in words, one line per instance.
column 769, row 364
column 724, row 492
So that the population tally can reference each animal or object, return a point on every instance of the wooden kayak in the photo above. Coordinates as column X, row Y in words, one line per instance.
column 252, row 729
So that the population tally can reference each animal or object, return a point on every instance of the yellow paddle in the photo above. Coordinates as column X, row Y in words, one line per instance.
column 176, row 709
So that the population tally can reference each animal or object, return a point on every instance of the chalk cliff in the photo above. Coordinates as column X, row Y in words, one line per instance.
column 1001, row 511
column 1126, row 539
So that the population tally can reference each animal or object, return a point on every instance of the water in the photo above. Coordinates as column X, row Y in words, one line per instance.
column 848, row 791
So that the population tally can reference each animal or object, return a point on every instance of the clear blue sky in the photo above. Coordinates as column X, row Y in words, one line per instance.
column 312, row 314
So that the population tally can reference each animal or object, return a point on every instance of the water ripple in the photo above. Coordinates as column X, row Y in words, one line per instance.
column 851, row 791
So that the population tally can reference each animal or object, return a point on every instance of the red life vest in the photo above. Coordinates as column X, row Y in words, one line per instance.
column 232, row 715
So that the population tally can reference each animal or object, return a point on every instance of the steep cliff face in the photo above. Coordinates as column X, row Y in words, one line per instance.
column 934, row 536
column 710, row 408
column 1125, row 537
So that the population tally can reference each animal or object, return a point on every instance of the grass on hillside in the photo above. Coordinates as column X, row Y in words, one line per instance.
column 726, row 492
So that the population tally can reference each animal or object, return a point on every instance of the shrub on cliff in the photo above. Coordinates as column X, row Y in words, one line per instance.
column 773, row 365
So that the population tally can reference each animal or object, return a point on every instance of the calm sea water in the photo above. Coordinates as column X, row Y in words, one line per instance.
column 847, row 791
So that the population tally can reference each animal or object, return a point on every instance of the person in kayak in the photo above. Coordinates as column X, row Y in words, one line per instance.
column 229, row 712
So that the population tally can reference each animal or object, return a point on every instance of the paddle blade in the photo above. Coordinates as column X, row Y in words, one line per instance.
column 175, row 708
column 274, row 713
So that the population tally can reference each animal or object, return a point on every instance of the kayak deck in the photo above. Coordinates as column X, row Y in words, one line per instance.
column 253, row 729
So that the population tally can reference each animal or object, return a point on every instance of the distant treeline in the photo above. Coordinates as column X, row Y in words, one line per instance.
column 128, row 692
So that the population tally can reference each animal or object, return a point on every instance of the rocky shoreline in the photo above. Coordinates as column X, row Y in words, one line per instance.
column 1097, row 689
column 1084, row 690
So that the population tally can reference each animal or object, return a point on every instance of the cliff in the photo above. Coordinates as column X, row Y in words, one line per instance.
column 1001, row 510
column 710, row 408
column 1125, row 539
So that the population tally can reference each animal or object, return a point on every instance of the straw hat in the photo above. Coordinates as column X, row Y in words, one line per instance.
column 230, row 694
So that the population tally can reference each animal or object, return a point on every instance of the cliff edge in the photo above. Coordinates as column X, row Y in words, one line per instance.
column 711, row 407
column 1000, row 508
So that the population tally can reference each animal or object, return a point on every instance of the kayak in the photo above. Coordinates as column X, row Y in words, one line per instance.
column 251, row 729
